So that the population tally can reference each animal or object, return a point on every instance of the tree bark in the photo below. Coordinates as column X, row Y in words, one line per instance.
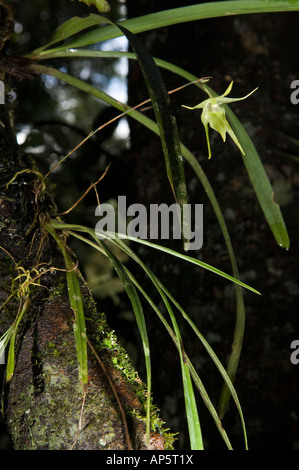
column 44, row 404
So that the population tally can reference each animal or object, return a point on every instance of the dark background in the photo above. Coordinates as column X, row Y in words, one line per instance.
column 254, row 51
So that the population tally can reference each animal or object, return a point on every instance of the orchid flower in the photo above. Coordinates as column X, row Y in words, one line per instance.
column 213, row 114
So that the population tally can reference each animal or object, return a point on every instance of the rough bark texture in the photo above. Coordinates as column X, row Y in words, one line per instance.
column 44, row 405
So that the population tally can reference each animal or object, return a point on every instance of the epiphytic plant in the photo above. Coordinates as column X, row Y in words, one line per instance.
column 69, row 40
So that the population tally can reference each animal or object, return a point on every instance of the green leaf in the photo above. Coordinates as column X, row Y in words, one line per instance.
column 194, row 427
column 190, row 402
column 167, row 125
column 138, row 311
column 4, row 340
column 76, row 303
column 163, row 291
column 110, row 236
column 254, row 166
column 185, row 14
column 71, row 27
column 11, row 351
column 102, row 5
column 194, row 374
column 260, row 182
column 258, row 178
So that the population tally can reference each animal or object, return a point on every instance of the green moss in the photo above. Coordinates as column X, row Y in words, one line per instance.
column 158, row 425
column 106, row 341
column 59, row 289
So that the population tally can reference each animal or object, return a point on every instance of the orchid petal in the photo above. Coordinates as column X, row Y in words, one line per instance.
column 213, row 115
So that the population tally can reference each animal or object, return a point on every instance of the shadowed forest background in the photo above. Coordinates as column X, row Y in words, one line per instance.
column 51, row 118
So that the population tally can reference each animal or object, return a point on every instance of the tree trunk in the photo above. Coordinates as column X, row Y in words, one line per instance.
column 44, row 404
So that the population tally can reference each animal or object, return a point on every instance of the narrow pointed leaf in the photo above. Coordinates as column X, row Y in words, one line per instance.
column 261, row 183
column 271, row 210
column 186, row 14
column 76, row 303
column 163, row 291
column 110, row 235
column 195, row 434
column 166, row 122
column 71, row 27
column 11, row 351
column 138, row 311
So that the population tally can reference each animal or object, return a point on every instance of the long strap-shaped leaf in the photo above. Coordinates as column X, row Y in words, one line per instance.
column 76, row 303
column 175, row 16
column 167, row 125
column 138, row 311
column 162, row 290
column 106, row 234
column 12, row 337
column 168, row 130
column 260, row 182
column 194, row 427
column 227, row 378
column 196, row 440
column 252, row 162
